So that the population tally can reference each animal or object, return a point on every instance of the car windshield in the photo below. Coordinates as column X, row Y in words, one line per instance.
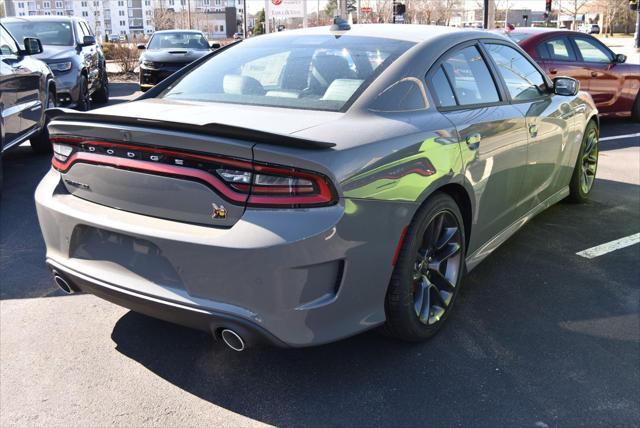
column 315, row 72
column 49, row 33
column 178, row 40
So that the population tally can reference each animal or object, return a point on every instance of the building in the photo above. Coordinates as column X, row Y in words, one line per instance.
column 136, row 18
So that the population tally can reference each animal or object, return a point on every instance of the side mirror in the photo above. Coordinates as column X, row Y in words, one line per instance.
column 88, row 40
column 620, row 59
column 215, row 45
column 141, row 46
column 566, row 86
column 32, row 46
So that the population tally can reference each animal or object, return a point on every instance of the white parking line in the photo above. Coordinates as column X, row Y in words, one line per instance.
column 620, row 137
column 608, row 247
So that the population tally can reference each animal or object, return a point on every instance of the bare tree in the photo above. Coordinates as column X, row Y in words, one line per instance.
column 611, row 12
column 572, row 8
column 163, row 17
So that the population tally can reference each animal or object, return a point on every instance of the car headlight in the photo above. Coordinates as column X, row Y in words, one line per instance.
column 60, row 66
column 149, row 64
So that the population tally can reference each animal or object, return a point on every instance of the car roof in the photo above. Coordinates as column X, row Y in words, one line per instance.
column 51, row 18
column 409, row 32
column 177, row 31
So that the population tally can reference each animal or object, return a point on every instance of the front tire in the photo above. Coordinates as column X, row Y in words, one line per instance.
column 84, row 99
column 584, row 172
column 428, row 272
column 635, row 111
column 40, row 143
column 101, row 96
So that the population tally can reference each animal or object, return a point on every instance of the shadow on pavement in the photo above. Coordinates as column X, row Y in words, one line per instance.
column 535, row 338
column 123, row 89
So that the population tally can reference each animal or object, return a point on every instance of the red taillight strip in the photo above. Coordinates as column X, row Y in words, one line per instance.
column 144, row 166
column 261, row 195
column 183, row 155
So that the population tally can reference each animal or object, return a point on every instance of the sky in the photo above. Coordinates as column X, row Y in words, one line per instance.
column 255, row 5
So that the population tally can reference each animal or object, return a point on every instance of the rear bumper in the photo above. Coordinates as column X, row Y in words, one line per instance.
column 289, row 277
column 194, row 317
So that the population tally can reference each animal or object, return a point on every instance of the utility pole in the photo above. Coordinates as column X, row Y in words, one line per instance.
column 305, row 21
column 244, row 19
column 559, row 12
column 189, row 13
column 637, row 44
column 489, row 14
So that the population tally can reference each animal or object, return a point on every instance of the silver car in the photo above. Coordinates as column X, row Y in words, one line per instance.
column 302, row 187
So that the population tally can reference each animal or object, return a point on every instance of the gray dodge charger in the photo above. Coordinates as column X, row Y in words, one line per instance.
column 302, row 187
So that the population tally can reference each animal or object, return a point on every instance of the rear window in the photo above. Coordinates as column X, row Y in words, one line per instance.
column 306, row 72
column 518, row 36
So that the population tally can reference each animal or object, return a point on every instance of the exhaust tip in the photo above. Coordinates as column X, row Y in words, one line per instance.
column 62, row 284
column 232, row 340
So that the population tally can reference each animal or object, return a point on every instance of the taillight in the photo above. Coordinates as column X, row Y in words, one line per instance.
column 237, row 180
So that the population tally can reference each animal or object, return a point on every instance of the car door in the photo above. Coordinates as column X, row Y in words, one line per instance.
column 604, row 84
column 11, row 86
column 549, row 121
column 493, row 138
column 558, row 58
column 89, row 54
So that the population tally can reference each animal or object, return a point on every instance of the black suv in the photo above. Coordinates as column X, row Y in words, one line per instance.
column 71, row 51
column 26, row 89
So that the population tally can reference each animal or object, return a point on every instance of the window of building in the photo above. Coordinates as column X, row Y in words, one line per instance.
column 46, row 5
column 20, row 5
column 58, row 5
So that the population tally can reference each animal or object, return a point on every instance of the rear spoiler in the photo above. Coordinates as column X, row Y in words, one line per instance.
column 210, row 129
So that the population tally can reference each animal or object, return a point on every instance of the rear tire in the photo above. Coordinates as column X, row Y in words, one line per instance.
column 40, row 143
column 428, row 272
column 584, row 172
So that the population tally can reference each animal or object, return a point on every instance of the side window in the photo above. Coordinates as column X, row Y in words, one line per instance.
column 443, row 93
column 86, row 29
column 556, row 49
column 81, row 32
column 523, row 80
column 7, row 45
column 591, row 51
column 471, row 80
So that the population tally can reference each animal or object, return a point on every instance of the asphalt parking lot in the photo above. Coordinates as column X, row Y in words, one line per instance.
column 540, row 337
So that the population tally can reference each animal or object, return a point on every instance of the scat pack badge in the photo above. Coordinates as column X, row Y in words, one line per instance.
column 219, row 212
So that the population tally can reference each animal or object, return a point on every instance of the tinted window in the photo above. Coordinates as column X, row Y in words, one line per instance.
column 556, row 49
column 523, row 80
column 406, row 95
column 7, row 45
column 470, row 77
column 49, row 33
column 311, row 72
column 591, row 51
column 178, row 40
column 442, row 90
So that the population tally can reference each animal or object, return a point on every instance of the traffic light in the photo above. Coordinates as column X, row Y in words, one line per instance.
column 633, row 5
column 399, row 9
column 547, row 6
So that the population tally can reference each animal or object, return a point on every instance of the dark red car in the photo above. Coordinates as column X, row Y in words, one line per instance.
column 613, row 84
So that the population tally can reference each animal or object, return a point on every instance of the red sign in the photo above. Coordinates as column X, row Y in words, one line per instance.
column 366, row 10
column 276, row 2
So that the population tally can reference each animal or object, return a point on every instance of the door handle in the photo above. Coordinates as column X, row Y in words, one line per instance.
column 533, row 130
column 553, row 71
column 473, row 141
column 594, row 74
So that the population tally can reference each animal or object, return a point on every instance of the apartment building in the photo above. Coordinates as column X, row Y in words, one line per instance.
column 135, row 18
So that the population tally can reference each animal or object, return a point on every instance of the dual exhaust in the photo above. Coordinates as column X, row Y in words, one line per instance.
column 229, row 337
